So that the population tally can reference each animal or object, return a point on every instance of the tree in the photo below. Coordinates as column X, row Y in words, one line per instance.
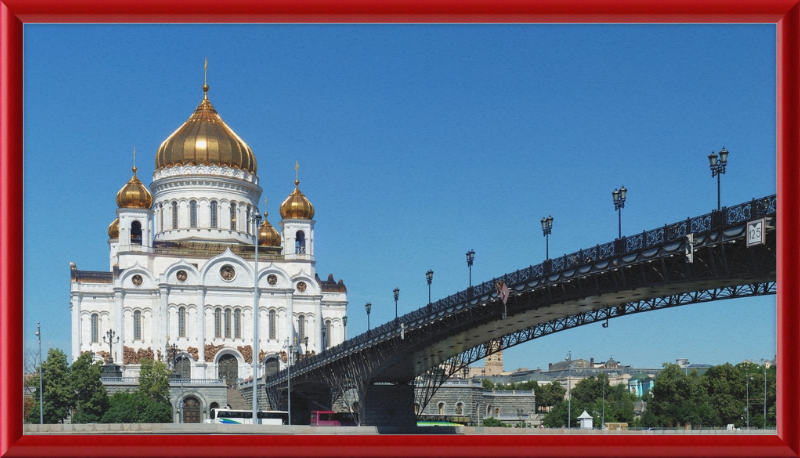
column 154, row 380
column 550, row 395
column 57, row 394
column 125, row 407
column 487, row 384
column 492, row 422
column 91, row 399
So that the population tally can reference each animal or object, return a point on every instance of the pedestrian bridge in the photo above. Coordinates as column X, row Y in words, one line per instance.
column 402, row 362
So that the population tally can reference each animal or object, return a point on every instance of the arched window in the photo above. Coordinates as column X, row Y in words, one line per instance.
column 237, row 324
column 301, row 328
column 233, row 216
column 174, row 215
column 272, row 325
column 94, row 328
column 441, row 408
column 217, row 325
column 161, row 218
column 247, row 220
column 214, row 214
column 136, row 233
column 227, row 323
column 137, row 325
column 460, row 409
column 300, row 243
column 193, row 214
column 328, row 335
column 182, row 322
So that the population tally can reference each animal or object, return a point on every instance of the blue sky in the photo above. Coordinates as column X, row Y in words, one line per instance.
column 417, row 143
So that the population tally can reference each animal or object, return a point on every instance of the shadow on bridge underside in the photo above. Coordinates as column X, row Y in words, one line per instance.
column 645, row 272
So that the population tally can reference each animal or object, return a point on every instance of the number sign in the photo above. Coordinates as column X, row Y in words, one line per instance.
column 756, row 232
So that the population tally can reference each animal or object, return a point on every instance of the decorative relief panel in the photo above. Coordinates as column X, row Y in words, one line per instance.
column 137, row 280
column 247, row 353
column 227, row 272
column 194, row 352
column 272, row 279
column 211, row 350
column 182, row 275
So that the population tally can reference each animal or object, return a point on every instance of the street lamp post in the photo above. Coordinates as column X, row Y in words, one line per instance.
column 718, row 168
column 429, row 277
column 603, row 419
column 396, row 296
column 41, row 403
column 110, row 334
column 569, row 391
column 619, row 204
column 765, row 395
column 287, row 345
column 174, row 349
column 747, row 405
column 255, row 218
column 368, row 306
column 547, row 228
column 470, row 259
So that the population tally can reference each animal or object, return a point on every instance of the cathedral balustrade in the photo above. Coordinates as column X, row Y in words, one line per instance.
column 172, row 381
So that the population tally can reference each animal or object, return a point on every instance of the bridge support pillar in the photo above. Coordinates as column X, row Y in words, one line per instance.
column 389, row 405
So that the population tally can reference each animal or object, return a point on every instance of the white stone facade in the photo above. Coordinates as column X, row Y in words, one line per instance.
column 192, row 279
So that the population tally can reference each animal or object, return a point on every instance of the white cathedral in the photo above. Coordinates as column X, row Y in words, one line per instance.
column 182, row 267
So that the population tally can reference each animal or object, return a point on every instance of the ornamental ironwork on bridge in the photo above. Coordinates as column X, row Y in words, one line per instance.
column 633, row 274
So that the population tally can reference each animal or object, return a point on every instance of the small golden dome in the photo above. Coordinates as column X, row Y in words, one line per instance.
column 296, row 206
column 267, row 235
column 205, row 139
column 113, row 229
column 134, row 194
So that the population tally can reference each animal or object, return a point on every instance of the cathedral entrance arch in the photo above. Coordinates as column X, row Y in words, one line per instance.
column 191, row 410
column 228, row 370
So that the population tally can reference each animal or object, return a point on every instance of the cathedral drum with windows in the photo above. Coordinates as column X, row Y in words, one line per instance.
column 182, row 266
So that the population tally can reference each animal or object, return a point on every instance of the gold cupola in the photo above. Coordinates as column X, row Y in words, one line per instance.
column 113, row 229
column 205, row 140
column 296, row 206
column 267, row 235
column 134, row 194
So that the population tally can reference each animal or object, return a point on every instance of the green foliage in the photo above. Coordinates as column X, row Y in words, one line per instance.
column 125, row 407
column 58, row 397
column 491, row 421
column 154, row 381
column 598, row 398
column 550, row 395
column 487, row 384
column 91, row 399
column 716, row 398
column 156, row 412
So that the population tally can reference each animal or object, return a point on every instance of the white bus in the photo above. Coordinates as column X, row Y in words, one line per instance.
column 245, row 417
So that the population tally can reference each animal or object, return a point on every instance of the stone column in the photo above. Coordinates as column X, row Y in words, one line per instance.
column 77, row 332
column 162, row 319
column 320, row 322
column 119, row 327
column 201, row 325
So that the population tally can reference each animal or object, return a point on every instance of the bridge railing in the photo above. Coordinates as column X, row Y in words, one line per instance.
column 675, row 232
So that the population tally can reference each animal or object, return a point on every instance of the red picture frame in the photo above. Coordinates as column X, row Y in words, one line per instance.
column 14, row 13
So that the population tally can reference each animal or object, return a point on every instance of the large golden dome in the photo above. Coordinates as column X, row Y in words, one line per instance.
column 267, row 235
column 205, row 140
column 134, row 194
column 113, row 229
column 296, row 206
